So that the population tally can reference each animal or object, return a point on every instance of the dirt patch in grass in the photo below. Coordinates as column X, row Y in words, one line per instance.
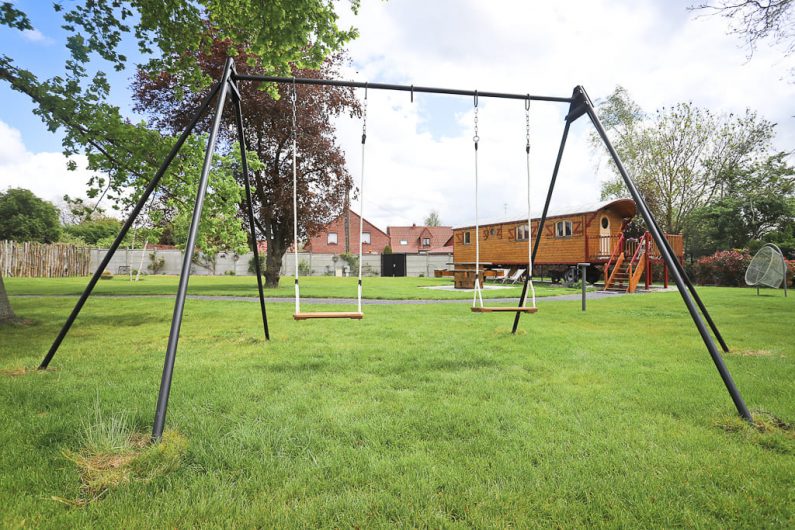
column 18, row 372
column 753, row 353
column 140, row 461
column 768, row 431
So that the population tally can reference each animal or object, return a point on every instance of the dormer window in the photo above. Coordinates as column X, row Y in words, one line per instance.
column 426, row 241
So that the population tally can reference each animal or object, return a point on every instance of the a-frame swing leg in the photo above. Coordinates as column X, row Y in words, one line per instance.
column 126, row 227
column 739, row 403
column 179, row 304
column 249, row 204
column 543, row 219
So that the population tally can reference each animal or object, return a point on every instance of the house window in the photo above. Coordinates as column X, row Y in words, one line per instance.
column 563, row 229
column 365, row 238
column 332, row 238
column 522, row 233
column 467, row 239
column 426, row 241
column 404, row 241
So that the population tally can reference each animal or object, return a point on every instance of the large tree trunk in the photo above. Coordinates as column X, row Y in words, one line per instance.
column 6, row 313
column 273, row 262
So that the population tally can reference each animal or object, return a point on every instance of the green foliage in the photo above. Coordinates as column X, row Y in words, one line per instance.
column 303, row 268
column 351, row 259
column 25, row 217
column 387, row 249
column 681, row 156
column 755, row 204
column 92, row 231
column 278, row 35
column 156, row 263
column 252, row 263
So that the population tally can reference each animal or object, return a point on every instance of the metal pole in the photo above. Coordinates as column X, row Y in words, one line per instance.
column 400, row 88
column 739, row 403
column 126, row 227
column 542, row 220
column 583, row 267
column 179, row 305
column 250, row 212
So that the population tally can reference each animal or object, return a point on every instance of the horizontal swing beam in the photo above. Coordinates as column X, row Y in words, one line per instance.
column 330, row 314
column 401, row 88
column 504, row 309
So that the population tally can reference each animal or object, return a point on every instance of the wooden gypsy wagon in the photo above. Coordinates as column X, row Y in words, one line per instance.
column 594, row 234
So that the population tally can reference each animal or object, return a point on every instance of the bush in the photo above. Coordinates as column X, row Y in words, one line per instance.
column 252, row 263
column 303, row 268
column 106, row 275
column 724, row 267
column 156, row 263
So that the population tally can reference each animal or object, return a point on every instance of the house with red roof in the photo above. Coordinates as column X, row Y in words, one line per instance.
column 331, row 240
column 416, row 239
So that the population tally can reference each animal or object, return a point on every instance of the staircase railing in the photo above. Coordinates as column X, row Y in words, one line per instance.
column 618, row 250
column 637, row 264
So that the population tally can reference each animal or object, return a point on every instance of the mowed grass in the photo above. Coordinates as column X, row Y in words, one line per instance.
column 416, row 416
column 311, row 287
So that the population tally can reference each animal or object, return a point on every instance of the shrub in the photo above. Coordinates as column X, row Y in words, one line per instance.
column 303, row 268
column 252, row 264
column 724, row 267
column 106, row 275
column 156, row 264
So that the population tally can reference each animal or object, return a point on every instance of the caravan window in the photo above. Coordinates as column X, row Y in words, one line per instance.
column 563, row 229
column 522, row 233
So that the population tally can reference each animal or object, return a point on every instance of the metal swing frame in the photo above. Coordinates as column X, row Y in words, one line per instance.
column 579, row 105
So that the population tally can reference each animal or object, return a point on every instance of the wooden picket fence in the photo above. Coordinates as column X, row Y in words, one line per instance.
column 39, row 260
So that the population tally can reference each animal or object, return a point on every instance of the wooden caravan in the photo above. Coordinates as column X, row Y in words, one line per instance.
column 593, row 234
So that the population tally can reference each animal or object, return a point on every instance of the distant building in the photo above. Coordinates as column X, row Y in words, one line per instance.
column 421, row 239
column 331, row 240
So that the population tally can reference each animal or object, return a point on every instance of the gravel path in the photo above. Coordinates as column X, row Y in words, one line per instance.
column 592, row 295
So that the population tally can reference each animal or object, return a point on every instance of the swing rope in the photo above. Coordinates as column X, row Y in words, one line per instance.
column 477, row 294
column 334, row 314
column 361, row 200
column 529, row 211
column 293, row 97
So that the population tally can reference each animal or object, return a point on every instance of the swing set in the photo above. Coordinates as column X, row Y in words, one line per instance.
column 579, row 105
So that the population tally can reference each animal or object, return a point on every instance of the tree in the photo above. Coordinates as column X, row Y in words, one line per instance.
column 756, row 20
column 433, row 219
column 323, row 180
column 682, row 156
column 279, row 33
column 91, row 231
column 756, row 203
column 25, row 217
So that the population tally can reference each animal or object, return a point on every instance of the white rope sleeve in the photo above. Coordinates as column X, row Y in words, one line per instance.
column 295, row 227
column 361, row 230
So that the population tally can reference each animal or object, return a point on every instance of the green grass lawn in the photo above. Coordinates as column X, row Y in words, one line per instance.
column 415, row 416
column 311, row 287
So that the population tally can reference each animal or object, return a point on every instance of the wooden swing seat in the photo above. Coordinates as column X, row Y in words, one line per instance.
column 329, row 314
column 504, row 309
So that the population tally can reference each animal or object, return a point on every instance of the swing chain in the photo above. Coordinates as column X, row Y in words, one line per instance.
column 364, row 117
column 476, row 138
column 293, row 98
column 527, row 124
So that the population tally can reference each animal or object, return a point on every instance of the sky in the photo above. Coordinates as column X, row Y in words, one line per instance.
column 419, row 156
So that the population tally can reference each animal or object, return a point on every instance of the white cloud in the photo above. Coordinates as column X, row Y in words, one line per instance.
column 44, row 173
column 34, row 35
column 419, row 159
